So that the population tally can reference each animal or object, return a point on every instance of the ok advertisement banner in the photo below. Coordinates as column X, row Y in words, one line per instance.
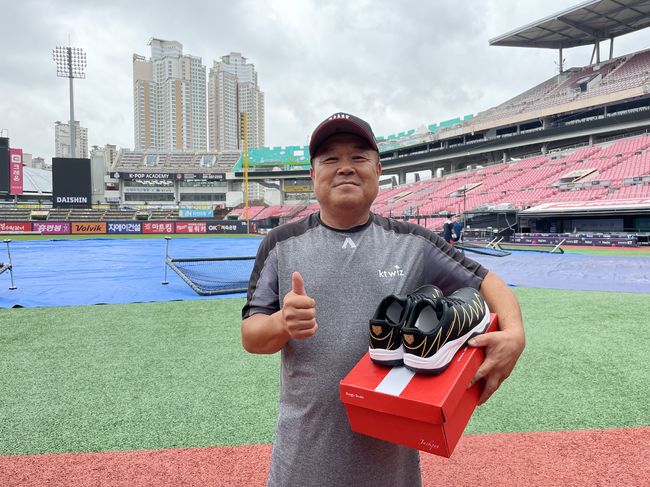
column 227, row 226
column 15, row 171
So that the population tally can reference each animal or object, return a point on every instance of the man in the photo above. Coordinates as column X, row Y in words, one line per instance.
column 457, row 227
column 316, row 283
column 447, row 230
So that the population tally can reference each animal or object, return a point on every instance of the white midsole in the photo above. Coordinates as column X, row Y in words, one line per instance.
column 448, row 350
column 383, row 355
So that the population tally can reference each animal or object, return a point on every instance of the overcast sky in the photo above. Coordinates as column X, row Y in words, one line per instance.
column 398, row 64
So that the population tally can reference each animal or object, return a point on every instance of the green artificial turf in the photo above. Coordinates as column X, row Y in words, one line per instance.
column 136, row 376
column 170, row 375
column 585, row 365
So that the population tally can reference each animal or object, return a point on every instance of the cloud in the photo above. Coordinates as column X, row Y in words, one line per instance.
column 399, row 65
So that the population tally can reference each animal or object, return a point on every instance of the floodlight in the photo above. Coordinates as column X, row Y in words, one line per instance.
column 70, row 63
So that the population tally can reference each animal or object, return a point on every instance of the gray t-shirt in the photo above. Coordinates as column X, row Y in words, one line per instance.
column 347, row 273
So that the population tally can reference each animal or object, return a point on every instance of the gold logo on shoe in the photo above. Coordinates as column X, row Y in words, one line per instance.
column 376, row 329
column 409, row 339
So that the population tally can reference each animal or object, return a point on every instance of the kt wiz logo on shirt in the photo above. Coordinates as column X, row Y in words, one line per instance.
column 395, row 271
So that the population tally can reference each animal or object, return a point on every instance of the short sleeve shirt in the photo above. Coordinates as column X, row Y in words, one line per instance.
column 347, row 272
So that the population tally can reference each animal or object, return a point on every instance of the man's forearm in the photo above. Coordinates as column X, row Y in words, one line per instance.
column 502, row 301
column 264, row 333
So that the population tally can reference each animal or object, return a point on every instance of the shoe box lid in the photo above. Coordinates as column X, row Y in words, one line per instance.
column 400, row 392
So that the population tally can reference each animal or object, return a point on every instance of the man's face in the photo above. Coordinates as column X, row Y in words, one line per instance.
column 346, row 174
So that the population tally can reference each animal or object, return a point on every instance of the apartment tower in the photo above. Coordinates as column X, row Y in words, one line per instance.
column 232, row 91
column 169, row 102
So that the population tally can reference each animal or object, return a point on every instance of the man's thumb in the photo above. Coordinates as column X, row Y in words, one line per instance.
column 297, row 284
column 479, row 341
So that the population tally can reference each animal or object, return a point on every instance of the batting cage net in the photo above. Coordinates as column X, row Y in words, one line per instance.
column 214, row 275
column 544, row 248
column 480, row 249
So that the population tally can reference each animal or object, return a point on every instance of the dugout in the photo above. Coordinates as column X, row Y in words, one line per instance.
column 490, row 223
column 616, row 216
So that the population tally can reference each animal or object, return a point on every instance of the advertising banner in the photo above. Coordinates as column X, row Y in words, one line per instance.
column 52, row 228
column 71, row 183
column 204, row 176
column 15, row 227
column 190, row 227
column 16, row 171
column 157, row 227
column 227, row 226
column 124, row 227
column 144, row 175
column 88, row 227
column 191, row 213
column 579, row 240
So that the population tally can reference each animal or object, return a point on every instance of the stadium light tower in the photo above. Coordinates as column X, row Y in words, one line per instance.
column 70, row 63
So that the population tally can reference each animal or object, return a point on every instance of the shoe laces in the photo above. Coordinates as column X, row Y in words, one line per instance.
column 451, row 301
column 419, row 296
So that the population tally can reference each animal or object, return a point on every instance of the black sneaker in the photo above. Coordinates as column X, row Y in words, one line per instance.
column 386, row 325
column 437, row 328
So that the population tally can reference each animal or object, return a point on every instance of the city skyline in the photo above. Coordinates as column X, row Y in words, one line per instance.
column 399, row 68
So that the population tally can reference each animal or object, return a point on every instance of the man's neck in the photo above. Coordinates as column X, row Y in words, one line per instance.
column 343, row 221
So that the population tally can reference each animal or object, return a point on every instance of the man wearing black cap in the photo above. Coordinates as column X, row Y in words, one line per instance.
column 316, row 283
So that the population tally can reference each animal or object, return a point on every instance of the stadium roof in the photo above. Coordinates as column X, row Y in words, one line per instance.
column 581, row 25
column 37, row 180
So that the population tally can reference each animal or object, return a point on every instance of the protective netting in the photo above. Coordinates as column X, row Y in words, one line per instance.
column 214, row 275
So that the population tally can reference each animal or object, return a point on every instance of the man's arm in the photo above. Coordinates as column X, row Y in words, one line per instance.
column 503, row 347
column 262, row 333
column 297, row 319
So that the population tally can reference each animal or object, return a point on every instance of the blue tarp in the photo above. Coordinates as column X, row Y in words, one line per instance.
column 102, row 271
column 580, row 272
column 107, row 271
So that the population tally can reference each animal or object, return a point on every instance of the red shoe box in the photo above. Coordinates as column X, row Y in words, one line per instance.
column 425, row 412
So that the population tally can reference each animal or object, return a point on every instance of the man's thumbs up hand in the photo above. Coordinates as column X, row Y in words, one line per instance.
column 297, row 284
column 299, row 310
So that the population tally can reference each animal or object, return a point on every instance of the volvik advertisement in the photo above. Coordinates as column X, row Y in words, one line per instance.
column 71, row 183
column 88, row 228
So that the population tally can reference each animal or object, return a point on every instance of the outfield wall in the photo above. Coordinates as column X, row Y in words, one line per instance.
column 126, row 227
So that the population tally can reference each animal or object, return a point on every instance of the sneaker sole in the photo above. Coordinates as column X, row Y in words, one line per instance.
column 387, row 358
column 437, row 363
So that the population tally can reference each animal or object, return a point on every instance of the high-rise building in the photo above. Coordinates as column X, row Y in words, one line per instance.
column 169, row 104
column 233, row 90
column 62, row 140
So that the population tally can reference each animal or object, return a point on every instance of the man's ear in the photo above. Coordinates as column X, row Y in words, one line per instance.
column 378, row 168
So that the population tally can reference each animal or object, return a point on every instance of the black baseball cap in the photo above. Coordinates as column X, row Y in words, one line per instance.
column 341, row 123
